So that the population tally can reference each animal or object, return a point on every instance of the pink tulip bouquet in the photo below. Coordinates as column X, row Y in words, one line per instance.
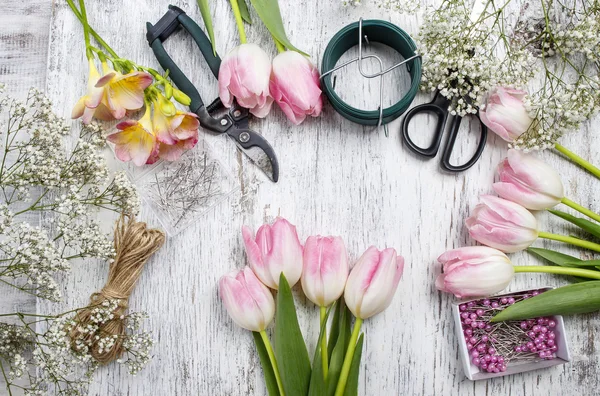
column 248, row 76
column 277, row 261
column 123, row 86
column 505, row 225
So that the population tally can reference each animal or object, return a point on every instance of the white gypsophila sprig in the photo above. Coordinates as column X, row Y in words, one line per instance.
column 33, row 259
column 65, row 365
column 567, row 43
column 41, row 172
column 464, row 59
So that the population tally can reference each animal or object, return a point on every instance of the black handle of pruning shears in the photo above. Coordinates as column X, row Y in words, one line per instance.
column 158, row 33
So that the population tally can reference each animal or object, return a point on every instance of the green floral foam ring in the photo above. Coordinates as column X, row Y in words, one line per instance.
column 383, row 32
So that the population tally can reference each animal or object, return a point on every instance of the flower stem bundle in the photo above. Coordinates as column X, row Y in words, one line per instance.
column 278, row 261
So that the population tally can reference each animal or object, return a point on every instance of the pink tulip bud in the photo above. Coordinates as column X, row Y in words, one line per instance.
column 325, row 269
column 502, row 224
column 505, row 114
column 295, row 86
column 529, row 181
column 244, row 76
column 275, row 250
column 474, row 271
column 249, row 302
column 373, row 281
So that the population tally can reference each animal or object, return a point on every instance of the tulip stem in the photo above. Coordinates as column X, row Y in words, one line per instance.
column 238, row 20
column 92, row 31
column 341, row 386
column 570, row 240
column 581, row 209
column 324, row 356
column 269, row 349
column 280, row 47
column 578, row 160
column 584, row 273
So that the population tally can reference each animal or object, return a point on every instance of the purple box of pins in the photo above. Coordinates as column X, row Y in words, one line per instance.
column 490, row 350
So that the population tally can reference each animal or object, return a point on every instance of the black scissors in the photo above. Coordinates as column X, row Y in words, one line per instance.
column 235, row 122
column 439, row 106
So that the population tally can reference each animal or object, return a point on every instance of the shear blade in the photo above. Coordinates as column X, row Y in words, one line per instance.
column 259, row 158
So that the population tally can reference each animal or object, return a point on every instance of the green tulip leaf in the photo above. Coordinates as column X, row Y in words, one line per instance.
column 556, row 258
column 584, row 224
column 270, row 380
column 244, row 11
column 584, row 263
column 318, row 385
column 564, row 260
column 335, row 326
column 290, row 349
column 205, row 11
column 339, row 351
column 269, row 13
column 566, row 300
column 352, row 384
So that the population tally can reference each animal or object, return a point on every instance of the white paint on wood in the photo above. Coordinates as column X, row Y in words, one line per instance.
column 336, row 178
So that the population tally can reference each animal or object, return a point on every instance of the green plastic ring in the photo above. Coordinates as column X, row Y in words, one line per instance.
column 382, row 32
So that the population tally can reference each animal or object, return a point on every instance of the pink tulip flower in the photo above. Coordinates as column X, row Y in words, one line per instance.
column 295, row 86
column 373, row 281
column 529, row 181
column 505, row 114
column 135, row 141
column 248, row 302
column 325, row 269
column 244, row 76
column 275, row 250
column 474, row 271
column 123, row 91
column 90, row 105
column 502, row 224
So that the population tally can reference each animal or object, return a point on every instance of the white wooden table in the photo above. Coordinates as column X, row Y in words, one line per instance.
column 336, row 178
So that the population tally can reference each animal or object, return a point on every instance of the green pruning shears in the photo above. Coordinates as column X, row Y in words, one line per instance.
column 235, row 122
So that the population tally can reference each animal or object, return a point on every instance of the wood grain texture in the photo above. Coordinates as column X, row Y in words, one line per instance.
column 336, row 178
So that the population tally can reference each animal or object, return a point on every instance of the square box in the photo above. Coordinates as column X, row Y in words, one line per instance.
column 474, row 373
column 182, row 191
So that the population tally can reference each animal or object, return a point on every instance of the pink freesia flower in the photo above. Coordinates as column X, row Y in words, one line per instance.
column 529, row 181
column 248, row 302
column 373, row 281
column 295, row 86
column 184, row 125
column 474, row 271
column 90, row 105
column 502, row 224
column 325, row 269
column 172, row 152
column 505, row 113
column 163, row 112
column 275, row 250
column 135, row 141
column 123, row 91
column 244, row 76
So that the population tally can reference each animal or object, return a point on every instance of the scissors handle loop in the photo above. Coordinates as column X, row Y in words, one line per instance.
column 442, row 115
column 454, row 128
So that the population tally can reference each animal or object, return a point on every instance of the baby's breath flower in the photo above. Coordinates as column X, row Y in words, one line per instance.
column 64, row 363
column 45, row 174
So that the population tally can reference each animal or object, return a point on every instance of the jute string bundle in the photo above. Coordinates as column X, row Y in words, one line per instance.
column 134, row 244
